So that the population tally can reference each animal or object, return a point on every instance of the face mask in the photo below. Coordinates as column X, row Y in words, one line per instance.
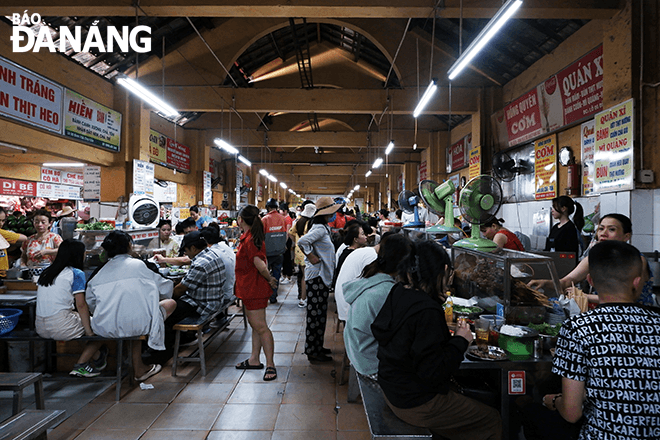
column 332, row 219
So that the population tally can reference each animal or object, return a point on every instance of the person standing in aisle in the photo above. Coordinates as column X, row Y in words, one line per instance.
column 275, row 230
column 565, row 235
column 319, row 269
column 253, row 286
column 298, row 229
column 287, row 260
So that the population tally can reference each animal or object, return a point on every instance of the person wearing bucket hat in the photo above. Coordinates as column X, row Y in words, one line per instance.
column 319, row 252
column 66, row 211
column 275, row 228
column 298, row 229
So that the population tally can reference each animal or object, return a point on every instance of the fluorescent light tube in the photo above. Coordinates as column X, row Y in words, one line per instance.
column 357, row 187
column 493, row 26
column 147, row 96
column 426, row 97
column 225, row 146
column 368, row 174
column 263, row 172
column 390, row 147
column 378, row 162
column 272, row 178
column 244, row 160
column 283, row 185
column 63, row 165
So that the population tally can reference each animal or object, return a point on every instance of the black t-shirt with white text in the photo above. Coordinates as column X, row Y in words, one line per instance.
column 615, row 350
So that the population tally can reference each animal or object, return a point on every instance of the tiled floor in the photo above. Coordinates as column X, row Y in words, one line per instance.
column 305, row 401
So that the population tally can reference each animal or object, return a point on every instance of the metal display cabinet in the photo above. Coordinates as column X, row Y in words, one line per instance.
column 499, row 273
column 93, row 239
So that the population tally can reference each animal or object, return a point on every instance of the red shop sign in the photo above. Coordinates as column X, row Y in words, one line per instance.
column 18, row 188
column 178, row 156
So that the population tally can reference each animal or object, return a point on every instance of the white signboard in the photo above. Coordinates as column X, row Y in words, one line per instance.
column 30, row 98
column 58, row 191
column 75, row 179
column 165, row 194
column 208, row 195
column 50, row 176
column 143, row 177
column 588, row 142
column 92, row 183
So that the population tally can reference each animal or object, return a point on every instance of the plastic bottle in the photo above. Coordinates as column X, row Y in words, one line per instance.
column 449, row 308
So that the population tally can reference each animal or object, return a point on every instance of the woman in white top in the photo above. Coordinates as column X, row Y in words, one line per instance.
column 60, row 286
column 128, row 299
column 165, row 239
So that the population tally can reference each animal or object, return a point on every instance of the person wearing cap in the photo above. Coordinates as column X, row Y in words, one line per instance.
column 298, row 229
column 319, row 269
column 66, row 211
column 275, row 230
column 200, row 292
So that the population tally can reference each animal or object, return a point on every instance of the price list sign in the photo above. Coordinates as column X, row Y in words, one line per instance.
column 613, row 152
column 545, row 168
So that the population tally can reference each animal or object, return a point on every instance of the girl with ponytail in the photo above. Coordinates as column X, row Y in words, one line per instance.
column 565, row 235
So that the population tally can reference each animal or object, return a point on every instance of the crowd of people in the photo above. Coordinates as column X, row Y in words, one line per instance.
column 390, row 292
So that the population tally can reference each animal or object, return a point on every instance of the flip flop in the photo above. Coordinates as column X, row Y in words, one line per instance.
column 270, row 371
column 245, row 365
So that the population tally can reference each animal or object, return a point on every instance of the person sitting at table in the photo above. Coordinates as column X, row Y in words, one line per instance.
column 41, row 247
column 503, row 238
column 608, row 357
column 164, row 240
column 366, row 296
column 617, row 227
column 60, row 286
column 128, row 299
column 417, row 355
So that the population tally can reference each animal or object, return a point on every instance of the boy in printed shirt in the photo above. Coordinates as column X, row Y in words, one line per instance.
column 609, row 357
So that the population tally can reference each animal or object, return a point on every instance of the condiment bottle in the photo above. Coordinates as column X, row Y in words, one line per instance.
column 449, row 308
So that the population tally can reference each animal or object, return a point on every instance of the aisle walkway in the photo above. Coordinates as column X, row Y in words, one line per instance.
column 305, row 401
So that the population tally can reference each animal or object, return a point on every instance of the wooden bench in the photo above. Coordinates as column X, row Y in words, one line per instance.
column 16, row 382
column 383, row 423
column 198, row 325
column 31, row 335
column 31, row 424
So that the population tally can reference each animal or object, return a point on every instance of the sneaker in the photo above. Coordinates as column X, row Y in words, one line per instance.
column 101, row 362
column 84, row 370
column 302, row 303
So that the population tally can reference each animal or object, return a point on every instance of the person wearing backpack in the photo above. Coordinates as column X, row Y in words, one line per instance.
column 275, row 230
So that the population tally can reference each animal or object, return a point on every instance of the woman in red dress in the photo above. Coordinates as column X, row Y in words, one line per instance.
column 254, row 286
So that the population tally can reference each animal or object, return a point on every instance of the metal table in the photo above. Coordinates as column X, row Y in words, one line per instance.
column 504, row 367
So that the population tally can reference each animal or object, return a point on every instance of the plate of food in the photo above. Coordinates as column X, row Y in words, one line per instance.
column 467, row 311
column 489, row 353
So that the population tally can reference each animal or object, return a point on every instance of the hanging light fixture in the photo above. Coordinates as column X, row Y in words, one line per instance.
column 263, row 172
column 368, row 174
column 137, row 89
column 430, row 90
column 389, row 148
column 244, row 160
column 377, row 163
column 357, row 188
column 493, row 26
column 272, row 178
column 283, row 185
column 225, row 146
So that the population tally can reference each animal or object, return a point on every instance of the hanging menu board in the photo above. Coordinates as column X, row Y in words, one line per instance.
column 475, row 162
column 613, row 151
column 92, row 183
column 88, row 121
column 169, row 153
column 208, row 195
column 545, row 168
column 457, row 155
column 30, row 98
column 587, row 142
column 143, row 177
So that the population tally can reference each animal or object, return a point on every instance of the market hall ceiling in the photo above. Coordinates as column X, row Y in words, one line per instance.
column 319, row 89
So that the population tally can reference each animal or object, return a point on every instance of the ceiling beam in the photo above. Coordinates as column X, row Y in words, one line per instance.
column 330, row 101
column 344, row 158
column 403, row 139
column 556, row 9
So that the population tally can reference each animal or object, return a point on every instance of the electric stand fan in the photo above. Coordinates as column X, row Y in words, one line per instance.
column 408, row 204
column 438, row 198
column 479, row 201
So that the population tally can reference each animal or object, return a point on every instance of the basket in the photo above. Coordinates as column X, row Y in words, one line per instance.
column 8, row 319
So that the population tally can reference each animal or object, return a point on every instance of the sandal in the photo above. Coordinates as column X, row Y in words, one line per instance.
column 270, row 371
column 245, row 365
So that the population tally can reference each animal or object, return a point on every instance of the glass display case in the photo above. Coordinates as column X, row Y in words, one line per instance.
column 501, row 277
column 93, row 239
